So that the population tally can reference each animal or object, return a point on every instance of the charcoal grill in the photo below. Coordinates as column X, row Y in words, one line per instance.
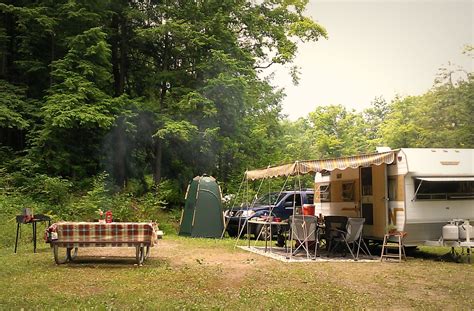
column 28, row 218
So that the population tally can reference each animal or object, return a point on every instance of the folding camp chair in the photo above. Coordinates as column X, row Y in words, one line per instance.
column 304, row 232
column 352, row 237
column 334, row 227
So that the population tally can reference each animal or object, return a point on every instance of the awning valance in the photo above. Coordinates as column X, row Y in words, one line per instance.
column 457, row 178
column 313, row 166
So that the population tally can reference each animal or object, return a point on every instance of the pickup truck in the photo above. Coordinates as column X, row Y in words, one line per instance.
column 280, row 204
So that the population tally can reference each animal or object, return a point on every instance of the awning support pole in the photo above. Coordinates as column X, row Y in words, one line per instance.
column 416, row 192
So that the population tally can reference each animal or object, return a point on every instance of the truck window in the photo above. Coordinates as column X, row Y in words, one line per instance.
column 323, row 192
column 269, row 199
column 296, row 202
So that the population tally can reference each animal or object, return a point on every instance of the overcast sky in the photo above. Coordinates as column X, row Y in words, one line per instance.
column 377, row 48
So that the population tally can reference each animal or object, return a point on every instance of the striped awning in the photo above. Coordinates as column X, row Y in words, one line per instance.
column 313, row 166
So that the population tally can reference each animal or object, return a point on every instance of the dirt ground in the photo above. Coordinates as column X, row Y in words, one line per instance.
column 413, row 277
column 235, row 264
column 185, row 273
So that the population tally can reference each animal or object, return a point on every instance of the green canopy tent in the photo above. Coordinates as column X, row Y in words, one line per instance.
column 202, row 215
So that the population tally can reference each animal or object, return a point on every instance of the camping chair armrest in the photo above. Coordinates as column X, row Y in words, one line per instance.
column 339, row 232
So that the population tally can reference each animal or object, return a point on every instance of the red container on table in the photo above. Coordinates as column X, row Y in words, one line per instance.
column 108, row 217
column 308, row 209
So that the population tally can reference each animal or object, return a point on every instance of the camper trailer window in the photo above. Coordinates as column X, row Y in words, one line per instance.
column 324, row 192
column 348, row 191
column 444, row 190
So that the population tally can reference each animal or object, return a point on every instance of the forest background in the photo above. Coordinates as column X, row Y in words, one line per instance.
column 118, row 104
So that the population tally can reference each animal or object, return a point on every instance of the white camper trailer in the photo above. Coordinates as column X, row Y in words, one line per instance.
column 419, row 192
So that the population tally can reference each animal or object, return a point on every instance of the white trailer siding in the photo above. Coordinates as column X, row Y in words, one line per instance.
column 433, row 211
column 424, row 219
column 397, row 210
column 437, row 162
column 421, row 218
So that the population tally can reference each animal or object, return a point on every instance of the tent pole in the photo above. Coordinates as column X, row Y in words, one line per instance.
column 231, row 205
column 239, row 229
column 292, row 219
column 248, row 206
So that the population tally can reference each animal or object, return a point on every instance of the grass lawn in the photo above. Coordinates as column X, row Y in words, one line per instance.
column 212, row 274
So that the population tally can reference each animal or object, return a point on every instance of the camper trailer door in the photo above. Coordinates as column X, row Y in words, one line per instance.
column 373, row 199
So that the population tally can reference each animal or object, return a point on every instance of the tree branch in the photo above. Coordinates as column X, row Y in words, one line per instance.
column 264, row 67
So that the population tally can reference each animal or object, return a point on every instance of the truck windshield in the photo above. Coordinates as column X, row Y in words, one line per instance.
column 269, row 199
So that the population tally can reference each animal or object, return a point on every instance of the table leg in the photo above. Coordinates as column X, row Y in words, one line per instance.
column 17, row 231
column 57, row 256
column 147, row 252
column 270, row 237
column 316, row 243
column 140, row 254
column 264, row 229
column 34, row 237
column 71, row 253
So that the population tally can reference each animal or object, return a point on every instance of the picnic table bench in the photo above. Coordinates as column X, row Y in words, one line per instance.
column 72, row 235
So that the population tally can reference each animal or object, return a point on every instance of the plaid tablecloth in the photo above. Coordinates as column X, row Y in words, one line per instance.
column 87, row 234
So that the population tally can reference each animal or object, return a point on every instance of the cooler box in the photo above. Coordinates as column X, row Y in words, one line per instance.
column 308, row 209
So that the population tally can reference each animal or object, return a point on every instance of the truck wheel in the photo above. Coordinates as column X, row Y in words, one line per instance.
column 232, row 232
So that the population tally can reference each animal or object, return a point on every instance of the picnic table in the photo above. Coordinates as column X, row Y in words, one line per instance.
column 72, row 235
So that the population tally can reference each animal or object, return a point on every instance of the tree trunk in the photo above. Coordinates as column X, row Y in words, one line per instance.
column 115, row 55
column 53, row 56
column 123, row 55
column 9, row 52
column 158, row 144
column 119, row 154
column 119, row 53
column 157, row 157
column 118, row 46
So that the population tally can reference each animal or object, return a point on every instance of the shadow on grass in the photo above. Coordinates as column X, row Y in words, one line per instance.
column 113, row 262
column 441, row 254
column 24, row 250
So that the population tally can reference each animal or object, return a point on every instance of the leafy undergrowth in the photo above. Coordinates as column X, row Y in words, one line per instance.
column 212, row 274
column 140, row 209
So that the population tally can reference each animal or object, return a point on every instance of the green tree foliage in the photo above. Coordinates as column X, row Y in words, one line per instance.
column 335, row 132
column 13, row 106
column 402, row 127
column 443, row 117
column 374, row 117
column 77, row 107
column 168, row 88
column 196, row 64
column 153, row 91
column 15, row 114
